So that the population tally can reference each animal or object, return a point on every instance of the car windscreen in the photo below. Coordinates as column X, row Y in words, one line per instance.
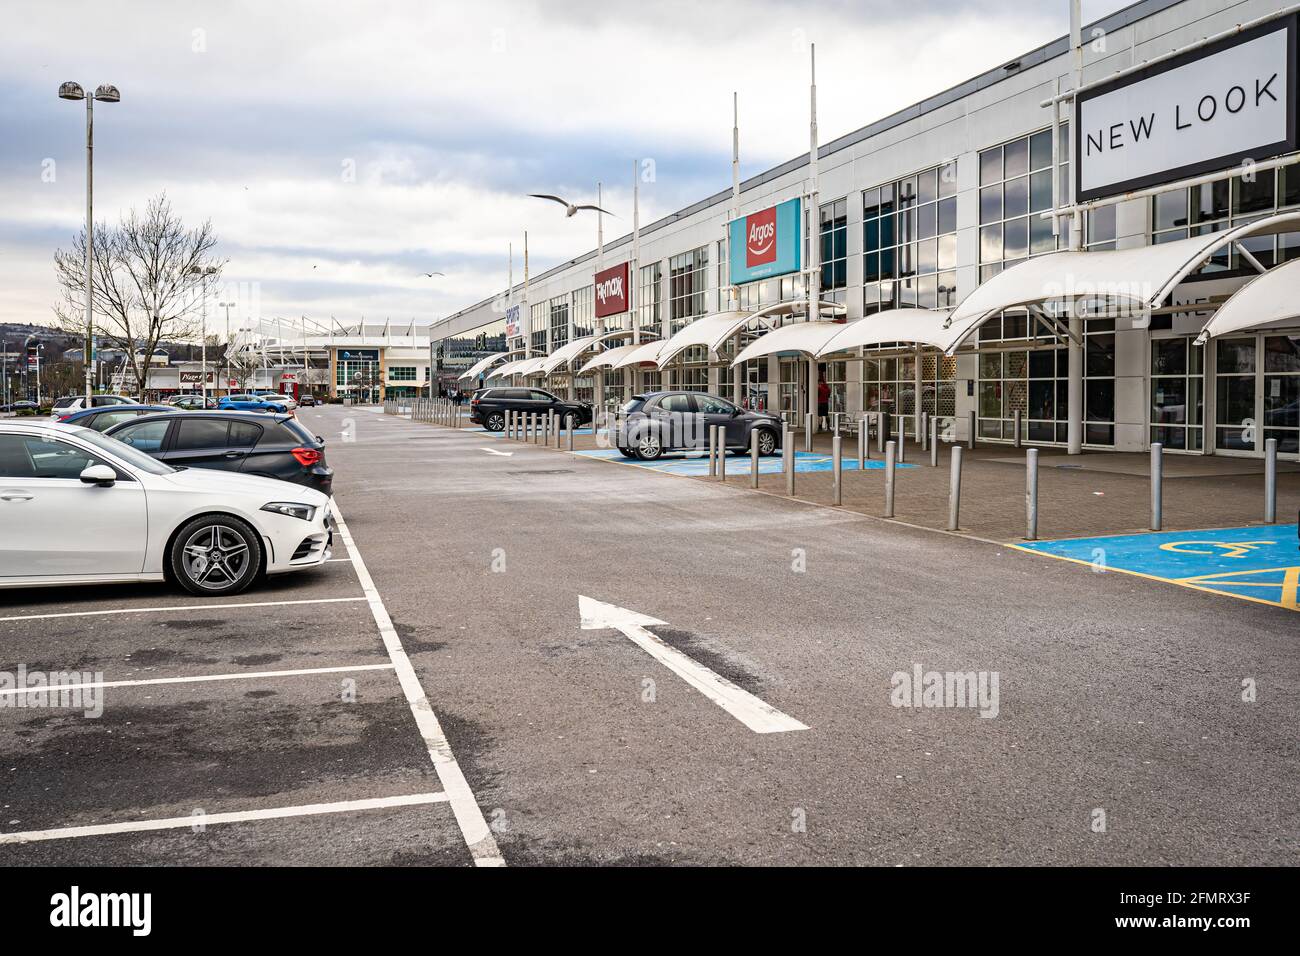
column 123, row 452
column 637, row 403
column 65, row 402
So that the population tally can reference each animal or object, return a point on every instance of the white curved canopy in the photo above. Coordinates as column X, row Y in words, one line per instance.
column 916, row 326
column 798, row 337
column 505, row 371
column 712, row 331
column 640, row 354
column 481, row 365
column 532, row 366
column 1270, row 300
column 1142, row 277
column 608, row 357
column 567, row 353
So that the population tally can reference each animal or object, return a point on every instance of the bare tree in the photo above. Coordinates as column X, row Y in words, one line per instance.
column 146, row 287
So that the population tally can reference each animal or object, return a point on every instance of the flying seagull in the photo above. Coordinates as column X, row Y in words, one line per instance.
column 430, row 275
column 569, row 208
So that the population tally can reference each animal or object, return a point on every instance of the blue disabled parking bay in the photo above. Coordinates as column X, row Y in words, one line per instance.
column 1260, row 563
column 681, row 464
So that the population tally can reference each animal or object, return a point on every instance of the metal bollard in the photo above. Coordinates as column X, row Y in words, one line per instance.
column 753, row 458
column 1016, row 440
column 864, row 446
column 1031, row 495
column 954, row 490
column 713, row 440
column 837, row 466
column 568, row 421
column 902, row 445
column 1270, row 481
column 1157, row 485
column 970, row 428
column 532, row 428
column 925, row 431
column 890, row 453
column 722, row 452
column 808, row 421
column 788, row 459
column 880, row 432
column 934, row 442
column 546, row 429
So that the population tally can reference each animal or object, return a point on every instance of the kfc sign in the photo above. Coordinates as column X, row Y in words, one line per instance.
column 611, row 291
column 760, row 238
column 766, row 243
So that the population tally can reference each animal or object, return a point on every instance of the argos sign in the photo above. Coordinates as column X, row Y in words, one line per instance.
column 767, row 243
column 611, row 290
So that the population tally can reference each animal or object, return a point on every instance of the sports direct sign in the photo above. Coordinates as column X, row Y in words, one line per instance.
column 1200, row 112
column 766, row 243
column 611, row 290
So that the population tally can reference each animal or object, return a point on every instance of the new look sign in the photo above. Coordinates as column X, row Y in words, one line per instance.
column 1200, row 112
column 767, row 243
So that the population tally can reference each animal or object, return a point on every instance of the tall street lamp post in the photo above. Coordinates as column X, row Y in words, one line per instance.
column 204, row 272
column 226, row 355
column 106, row 93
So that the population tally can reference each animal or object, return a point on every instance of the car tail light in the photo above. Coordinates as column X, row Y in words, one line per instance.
column 307, row 456
column 64, row 418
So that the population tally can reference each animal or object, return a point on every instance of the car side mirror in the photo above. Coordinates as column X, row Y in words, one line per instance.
column 735, row 413
column 100, row 475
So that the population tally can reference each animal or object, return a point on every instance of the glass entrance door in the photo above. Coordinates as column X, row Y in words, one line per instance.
column 1257, row 394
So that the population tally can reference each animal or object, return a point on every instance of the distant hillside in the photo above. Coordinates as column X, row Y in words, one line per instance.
column 57, row 342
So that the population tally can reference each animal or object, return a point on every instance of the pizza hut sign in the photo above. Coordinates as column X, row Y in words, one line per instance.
column 611, row 290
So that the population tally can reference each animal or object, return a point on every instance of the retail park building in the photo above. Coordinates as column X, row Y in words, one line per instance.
column 1188, row 215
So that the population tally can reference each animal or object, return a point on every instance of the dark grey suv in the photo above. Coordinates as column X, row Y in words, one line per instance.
column 659, row 422
column 488, row 407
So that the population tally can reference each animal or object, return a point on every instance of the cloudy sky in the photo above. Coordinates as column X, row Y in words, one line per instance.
column 341, row 149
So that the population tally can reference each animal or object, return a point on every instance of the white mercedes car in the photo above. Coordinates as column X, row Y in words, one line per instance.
column 77, row 507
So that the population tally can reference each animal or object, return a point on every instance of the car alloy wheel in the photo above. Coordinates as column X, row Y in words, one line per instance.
column 766, row 442
column 648, row 447
column 496, row 422
column 215, row 556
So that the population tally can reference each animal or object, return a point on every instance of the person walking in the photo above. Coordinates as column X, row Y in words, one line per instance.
column 823, row 401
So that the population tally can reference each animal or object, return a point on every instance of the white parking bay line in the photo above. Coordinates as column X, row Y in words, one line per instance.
column 238, row 816
column 180, row 607
column 469, row 817
column 194, row 679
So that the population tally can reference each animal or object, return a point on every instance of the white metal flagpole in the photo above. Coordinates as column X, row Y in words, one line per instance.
column 528, row 325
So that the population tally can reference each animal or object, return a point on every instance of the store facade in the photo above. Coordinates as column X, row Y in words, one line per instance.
column 920, row 209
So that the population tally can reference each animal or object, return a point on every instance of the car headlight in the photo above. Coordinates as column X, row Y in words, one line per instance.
column 292, row 509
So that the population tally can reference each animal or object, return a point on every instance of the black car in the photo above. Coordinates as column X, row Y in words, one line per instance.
column 307, row 401
column 255, row 443
column 20, row 406
column 488, row 407
column 659, row 422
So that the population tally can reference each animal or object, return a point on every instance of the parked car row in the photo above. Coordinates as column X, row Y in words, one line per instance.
column 210, row 497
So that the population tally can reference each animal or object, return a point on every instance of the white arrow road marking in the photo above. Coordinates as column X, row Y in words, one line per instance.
column 760, row 717
column 493, row 451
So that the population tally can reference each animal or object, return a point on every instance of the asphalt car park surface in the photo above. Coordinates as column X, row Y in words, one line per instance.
column 584, row 745
column 268, row 726
column 1118, row 694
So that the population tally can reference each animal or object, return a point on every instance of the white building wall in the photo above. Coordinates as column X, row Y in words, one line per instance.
column 992, row 109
